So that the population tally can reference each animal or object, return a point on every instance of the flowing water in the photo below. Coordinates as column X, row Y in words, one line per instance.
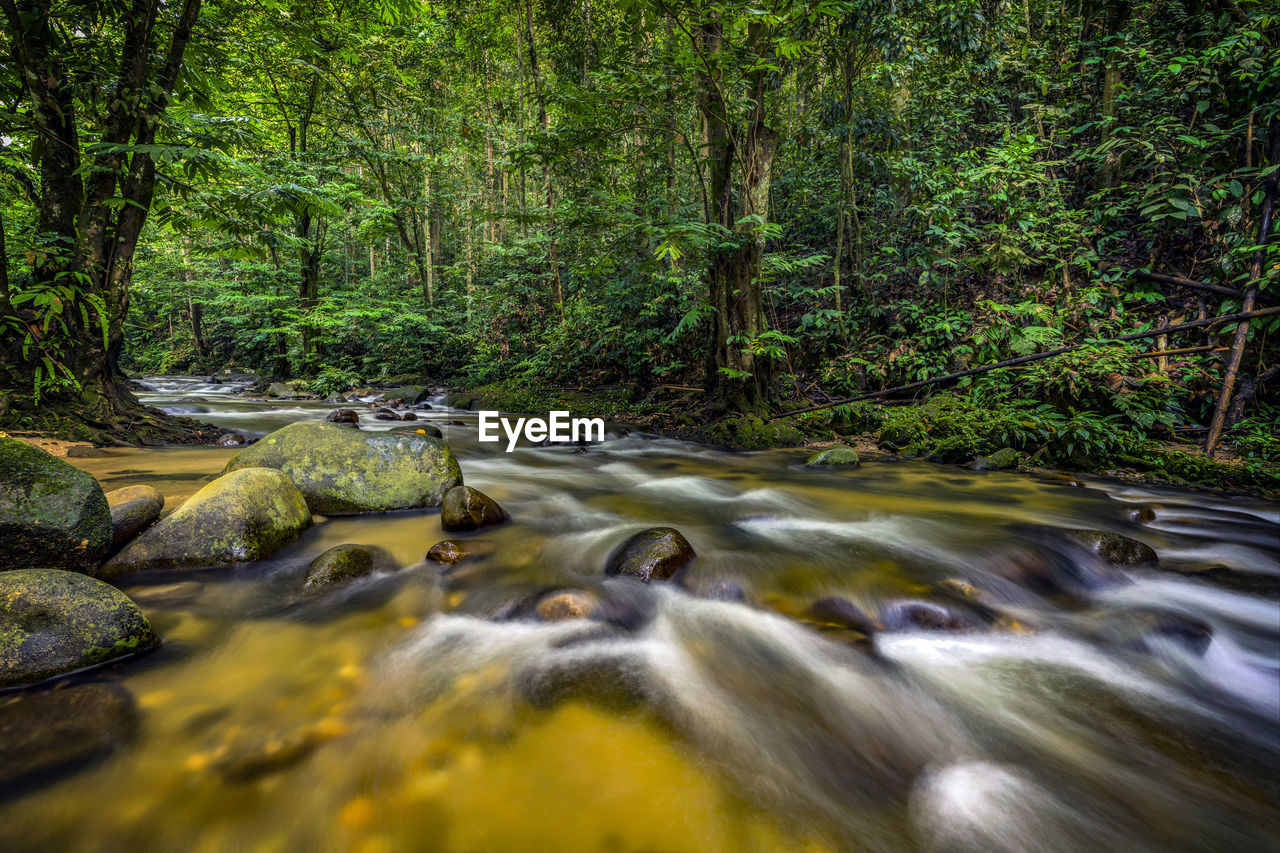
column 418, row 711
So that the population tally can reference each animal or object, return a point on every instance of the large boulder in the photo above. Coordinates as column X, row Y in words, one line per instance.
column 53, row 622
column 238, row 518
column 133, row 509
column 655, row 554
column 278, row 389
column 465, row 508
column 409, row 394
column 52, row 514
column 345, row 472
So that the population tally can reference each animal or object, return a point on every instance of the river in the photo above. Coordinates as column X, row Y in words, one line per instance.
column 405, row 712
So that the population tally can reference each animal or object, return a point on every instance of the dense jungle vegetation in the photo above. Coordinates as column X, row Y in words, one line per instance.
column 707, row 212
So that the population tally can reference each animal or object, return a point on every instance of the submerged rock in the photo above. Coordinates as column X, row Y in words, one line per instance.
column 345, row 563
column 238, row 518
column 1142, row 629
column 562, row 606
column 46, row 734
column 343, row 416
column 53, row 622
column 1114, row 548
column 653, row 554
column 834, row 456
column 843, row 613
column 465, row 508
column 133, row 509
column 52, row 514
column 452, row 551
column 88, row 451
column 907, row 615
column 342, row 471
column 715, row 589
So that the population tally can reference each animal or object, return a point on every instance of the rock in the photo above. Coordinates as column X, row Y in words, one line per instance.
column 1047, row 572
column 342, row 416
column 52, row 514
column 1113, row 548
column 344, row 563
column 230, row 439
column 653, row 554
column 247, row 759
column 907, row 615
column 238, row 518
column 335, row 398
column 562, row 606
column 1141, row 629
column 133, row 509
column 834, row 456
column 607, row 680
column 384, row 414
column 1142, row 514
column 842, row 613
column 342, row 471
column 278, row 389
column 53, row 622
column 465, row 508
column 85, row 451
column 1001, row 460
column 408, row 416
column 45, row 734
column 410, row 394
column 452, row 551
column 715, row 589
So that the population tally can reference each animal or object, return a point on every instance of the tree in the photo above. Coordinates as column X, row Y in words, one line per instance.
column 95, row 150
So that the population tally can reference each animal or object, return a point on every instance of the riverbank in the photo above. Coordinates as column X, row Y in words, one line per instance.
column 944, row 429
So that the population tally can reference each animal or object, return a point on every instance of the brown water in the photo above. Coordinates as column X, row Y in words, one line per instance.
column 410, row 711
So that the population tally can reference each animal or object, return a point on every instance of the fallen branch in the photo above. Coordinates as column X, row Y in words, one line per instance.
column 1023, row 359
column 1183, row 351
column 1183, row 281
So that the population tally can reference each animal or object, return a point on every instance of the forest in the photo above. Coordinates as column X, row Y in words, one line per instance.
column 698, row 216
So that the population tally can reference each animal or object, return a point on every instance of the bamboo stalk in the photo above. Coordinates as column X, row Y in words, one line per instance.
column 1150, row 333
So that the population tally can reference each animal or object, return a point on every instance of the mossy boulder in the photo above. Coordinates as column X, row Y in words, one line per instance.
column 465, row 508
column 342, row 471
column 834, row 456
column 52, row 514
column 409, row 394
column 1002, row 460
column 345, row 563
column 238, row 518
column 278, row 389
column 133, row 509
column 52, row 622
column 653, row 554
column 1114, row 548
column 754, row 433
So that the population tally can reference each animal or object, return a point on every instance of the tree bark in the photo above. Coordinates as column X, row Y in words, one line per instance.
column 1255, row 275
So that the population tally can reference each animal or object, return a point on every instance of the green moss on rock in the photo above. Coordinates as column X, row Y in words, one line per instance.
column 52, row 622
column 52, row 514
column 834, row 456
column 345, row 563
column 238, row 518
column 342, row 471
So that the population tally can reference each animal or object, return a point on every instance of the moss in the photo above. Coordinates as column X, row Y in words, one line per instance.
column 342, row 471
column 834, row 456
column 52, row 514
column 240, row 517
column 343, row 563
column 53, row 622
column 753, row 433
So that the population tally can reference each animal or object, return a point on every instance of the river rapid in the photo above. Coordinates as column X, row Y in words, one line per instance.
column 1110, row 709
